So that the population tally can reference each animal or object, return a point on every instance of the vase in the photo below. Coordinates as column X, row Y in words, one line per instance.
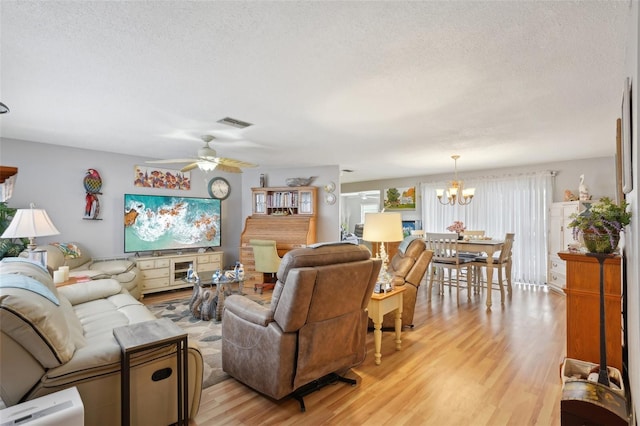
column 600, row 243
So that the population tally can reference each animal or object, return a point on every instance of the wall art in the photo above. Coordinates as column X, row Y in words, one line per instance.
column 627, row 165
column 153, row 177
column 400, row 198
column 92, row 185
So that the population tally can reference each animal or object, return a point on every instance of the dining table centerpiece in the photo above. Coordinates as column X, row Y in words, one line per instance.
column 458, row 227
column 600, row 225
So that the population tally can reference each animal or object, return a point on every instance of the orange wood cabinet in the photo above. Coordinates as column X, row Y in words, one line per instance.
column 288, row 232
column 583, row 308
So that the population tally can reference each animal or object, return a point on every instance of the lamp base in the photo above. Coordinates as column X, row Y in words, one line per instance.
column 32, row 244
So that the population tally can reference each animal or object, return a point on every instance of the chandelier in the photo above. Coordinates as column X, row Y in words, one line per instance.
column 456, row 192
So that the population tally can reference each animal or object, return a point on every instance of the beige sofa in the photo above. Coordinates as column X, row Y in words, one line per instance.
column 81, row 263
column 56, row 338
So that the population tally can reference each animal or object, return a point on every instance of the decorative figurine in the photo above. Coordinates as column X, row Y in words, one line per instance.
column 92, row 184
column 583, row 190
column 570, row 196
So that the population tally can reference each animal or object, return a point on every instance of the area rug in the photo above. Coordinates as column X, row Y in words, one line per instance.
column 206, row 333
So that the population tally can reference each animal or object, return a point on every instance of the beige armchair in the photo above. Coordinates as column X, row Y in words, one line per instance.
column 314, row 328
column 407, row 268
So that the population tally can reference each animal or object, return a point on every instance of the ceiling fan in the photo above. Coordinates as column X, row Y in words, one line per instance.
column 208, row 160
column 369, row 195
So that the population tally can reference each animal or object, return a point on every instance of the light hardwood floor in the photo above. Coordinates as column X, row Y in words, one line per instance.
column 459, row 365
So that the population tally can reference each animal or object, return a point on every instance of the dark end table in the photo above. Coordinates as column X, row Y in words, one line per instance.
column 148, row 335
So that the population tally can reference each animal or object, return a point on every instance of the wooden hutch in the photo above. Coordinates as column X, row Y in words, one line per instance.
column 284, row 214
column 583, row 308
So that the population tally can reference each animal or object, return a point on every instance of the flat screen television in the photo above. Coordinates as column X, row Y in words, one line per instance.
column 161, row 222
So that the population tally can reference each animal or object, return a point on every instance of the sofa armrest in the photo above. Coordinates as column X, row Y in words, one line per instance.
column 91, row 290
column 112, row 266
column 248, row 310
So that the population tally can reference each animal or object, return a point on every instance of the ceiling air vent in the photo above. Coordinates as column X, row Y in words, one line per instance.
column 234, row 122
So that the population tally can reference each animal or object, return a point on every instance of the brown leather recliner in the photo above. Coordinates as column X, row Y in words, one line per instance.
column 407, row 268
column 316, row 324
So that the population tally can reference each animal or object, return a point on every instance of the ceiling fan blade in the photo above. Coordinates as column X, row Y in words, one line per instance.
column 234, row 163
column 189, row 167
column 174, row 160
column 230, row 169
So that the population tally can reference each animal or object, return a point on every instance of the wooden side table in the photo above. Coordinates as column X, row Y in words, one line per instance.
column 583, row 306
column 147, row 335
column 379, row 305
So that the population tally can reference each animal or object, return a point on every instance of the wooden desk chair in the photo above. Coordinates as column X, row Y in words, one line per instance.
column 446, row 257
column 266, row 261
column 501, row 263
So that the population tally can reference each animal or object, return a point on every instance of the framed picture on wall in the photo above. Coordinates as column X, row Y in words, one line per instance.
column 619, row 191
column 400, row 198
column 626, row 152
column 408, row 226
column 153, row 177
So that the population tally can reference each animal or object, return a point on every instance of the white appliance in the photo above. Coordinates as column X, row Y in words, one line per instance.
column 62, row 408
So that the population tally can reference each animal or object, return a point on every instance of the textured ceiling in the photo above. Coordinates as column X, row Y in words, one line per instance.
column 388, row 89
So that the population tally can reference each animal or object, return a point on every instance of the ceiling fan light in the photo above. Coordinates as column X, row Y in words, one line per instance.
column 206, row 166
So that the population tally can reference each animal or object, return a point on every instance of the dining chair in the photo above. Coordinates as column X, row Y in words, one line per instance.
column 417, row 233
column 501, row 263
column 472, row 234
column 446, row 258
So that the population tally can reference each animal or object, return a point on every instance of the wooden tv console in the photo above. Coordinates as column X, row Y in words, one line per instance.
column 168, row 272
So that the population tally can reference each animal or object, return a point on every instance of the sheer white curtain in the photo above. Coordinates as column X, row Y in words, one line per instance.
column 510, row 203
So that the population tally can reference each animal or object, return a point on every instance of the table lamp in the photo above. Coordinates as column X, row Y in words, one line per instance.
column 30, row 223
column 382, row 228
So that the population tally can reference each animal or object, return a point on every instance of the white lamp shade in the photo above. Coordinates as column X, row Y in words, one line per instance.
column 469, row 192
column 382, row 227
column 30, row 223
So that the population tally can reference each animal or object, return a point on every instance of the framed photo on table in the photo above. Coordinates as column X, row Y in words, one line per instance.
column 38, row 256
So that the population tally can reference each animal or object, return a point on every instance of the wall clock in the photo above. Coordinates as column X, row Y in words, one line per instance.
column 330, row 198
column 219, row 188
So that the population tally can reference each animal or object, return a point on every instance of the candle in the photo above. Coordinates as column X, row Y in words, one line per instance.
column 65, row 270
column 58, row 277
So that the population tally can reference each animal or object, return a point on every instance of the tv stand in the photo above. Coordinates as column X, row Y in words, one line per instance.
column 169, row 271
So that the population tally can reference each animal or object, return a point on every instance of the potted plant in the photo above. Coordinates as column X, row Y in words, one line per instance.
column 600, row 225
column 9, row 247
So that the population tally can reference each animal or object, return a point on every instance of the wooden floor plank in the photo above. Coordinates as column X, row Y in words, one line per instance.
column 459, row 365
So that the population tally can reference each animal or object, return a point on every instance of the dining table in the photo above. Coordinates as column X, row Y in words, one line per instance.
column 490, row 247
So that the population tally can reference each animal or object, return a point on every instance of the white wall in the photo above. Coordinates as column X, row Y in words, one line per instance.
column 599, row 176
column 51, row 177
column 632, row 245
